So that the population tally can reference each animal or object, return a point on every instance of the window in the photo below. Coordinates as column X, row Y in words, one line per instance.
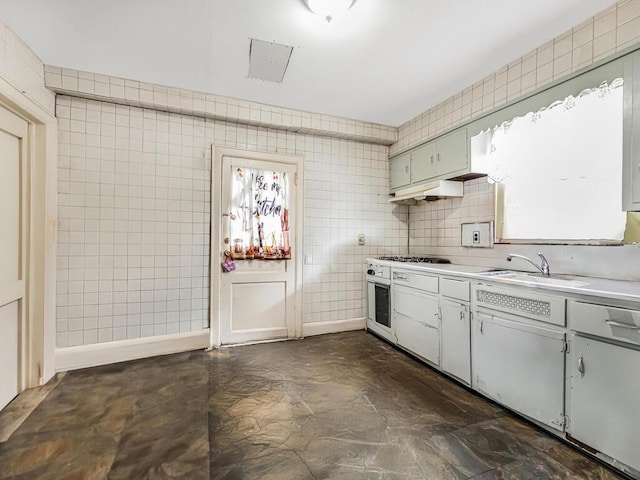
column 259, row 214
column 558, row 170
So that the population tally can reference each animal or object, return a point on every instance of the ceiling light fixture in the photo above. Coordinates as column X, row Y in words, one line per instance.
column 329, row 8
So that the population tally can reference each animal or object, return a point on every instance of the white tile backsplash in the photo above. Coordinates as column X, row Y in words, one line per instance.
column 435, row 229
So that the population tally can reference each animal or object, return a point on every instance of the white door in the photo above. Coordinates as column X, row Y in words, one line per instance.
column 257, row 299
column 13, row 134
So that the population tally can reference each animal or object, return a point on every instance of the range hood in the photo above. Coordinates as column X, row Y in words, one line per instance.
column 428, row 191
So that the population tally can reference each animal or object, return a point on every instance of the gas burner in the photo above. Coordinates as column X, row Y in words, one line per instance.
column 400, row 258
column 392, row 258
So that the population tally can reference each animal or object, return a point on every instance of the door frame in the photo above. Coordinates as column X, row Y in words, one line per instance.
column 40, row 276
column 217, row 154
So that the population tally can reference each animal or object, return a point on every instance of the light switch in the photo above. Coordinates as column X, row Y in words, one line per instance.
column 477, row 234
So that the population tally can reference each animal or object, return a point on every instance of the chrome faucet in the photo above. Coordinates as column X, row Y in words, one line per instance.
column 544, row 268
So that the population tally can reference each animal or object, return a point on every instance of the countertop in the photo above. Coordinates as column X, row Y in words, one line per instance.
column 595, row 287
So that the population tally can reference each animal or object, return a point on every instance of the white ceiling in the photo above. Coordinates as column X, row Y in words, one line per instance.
column 384, row 61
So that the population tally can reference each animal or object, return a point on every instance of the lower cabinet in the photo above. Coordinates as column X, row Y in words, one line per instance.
column 520, row 366
column 416, row 322
column 605, row 394
column 456, row 339
column 514, row 351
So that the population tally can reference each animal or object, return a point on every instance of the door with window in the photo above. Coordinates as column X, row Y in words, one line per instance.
column 13, row 241
column 258, row 251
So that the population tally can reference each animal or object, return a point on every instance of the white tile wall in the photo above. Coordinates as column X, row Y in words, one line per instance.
column 134, row 218
column 434, row 228
column 612, row 30
column 216, row 107
column 23, row 69
column 133, row 238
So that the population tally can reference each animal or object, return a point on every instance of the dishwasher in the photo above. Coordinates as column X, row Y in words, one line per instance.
column 518, row 351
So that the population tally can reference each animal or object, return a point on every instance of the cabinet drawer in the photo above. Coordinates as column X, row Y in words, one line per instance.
column 416, row 280
column 620, row 324
column 421, row 307
column 455, row 289
column 418, row 338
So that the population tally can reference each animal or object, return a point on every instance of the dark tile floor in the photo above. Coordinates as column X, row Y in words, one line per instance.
column 345, row 406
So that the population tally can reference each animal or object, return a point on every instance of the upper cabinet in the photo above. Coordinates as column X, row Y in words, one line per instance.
column 631, row 135
column 453, row 152
column 399, row 171
column 443, row 158
column 424, row 162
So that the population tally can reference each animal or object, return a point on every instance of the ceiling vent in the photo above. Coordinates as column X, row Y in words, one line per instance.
column 268, row 60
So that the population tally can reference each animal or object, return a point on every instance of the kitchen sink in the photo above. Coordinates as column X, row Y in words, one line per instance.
column 533, row 278
column 496, row 272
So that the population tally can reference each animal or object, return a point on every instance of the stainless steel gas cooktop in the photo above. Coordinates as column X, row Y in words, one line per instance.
column 402, row 258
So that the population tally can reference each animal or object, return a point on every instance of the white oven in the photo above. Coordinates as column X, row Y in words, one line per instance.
column 379, row 301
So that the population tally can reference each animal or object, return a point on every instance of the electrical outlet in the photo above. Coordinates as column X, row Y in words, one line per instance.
column 477, row 234
column 361, row 239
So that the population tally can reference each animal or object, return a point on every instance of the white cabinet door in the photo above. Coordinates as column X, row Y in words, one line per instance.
column 399, row 171
column 452, row 152
column 456, row 339
column 520, row 366
column 605, row 395
column 416, row 322
column 424, row 163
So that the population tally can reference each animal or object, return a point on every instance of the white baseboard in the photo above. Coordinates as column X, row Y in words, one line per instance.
column 82, row 356
column 335, row 326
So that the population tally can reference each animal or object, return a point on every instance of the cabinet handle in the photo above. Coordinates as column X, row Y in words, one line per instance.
column 613, row 323
column 461, row 315
column 581, row 366
column 438, row 157
column 481, row 326
column 397, row 276
column 406, row 168
column 431, row 158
